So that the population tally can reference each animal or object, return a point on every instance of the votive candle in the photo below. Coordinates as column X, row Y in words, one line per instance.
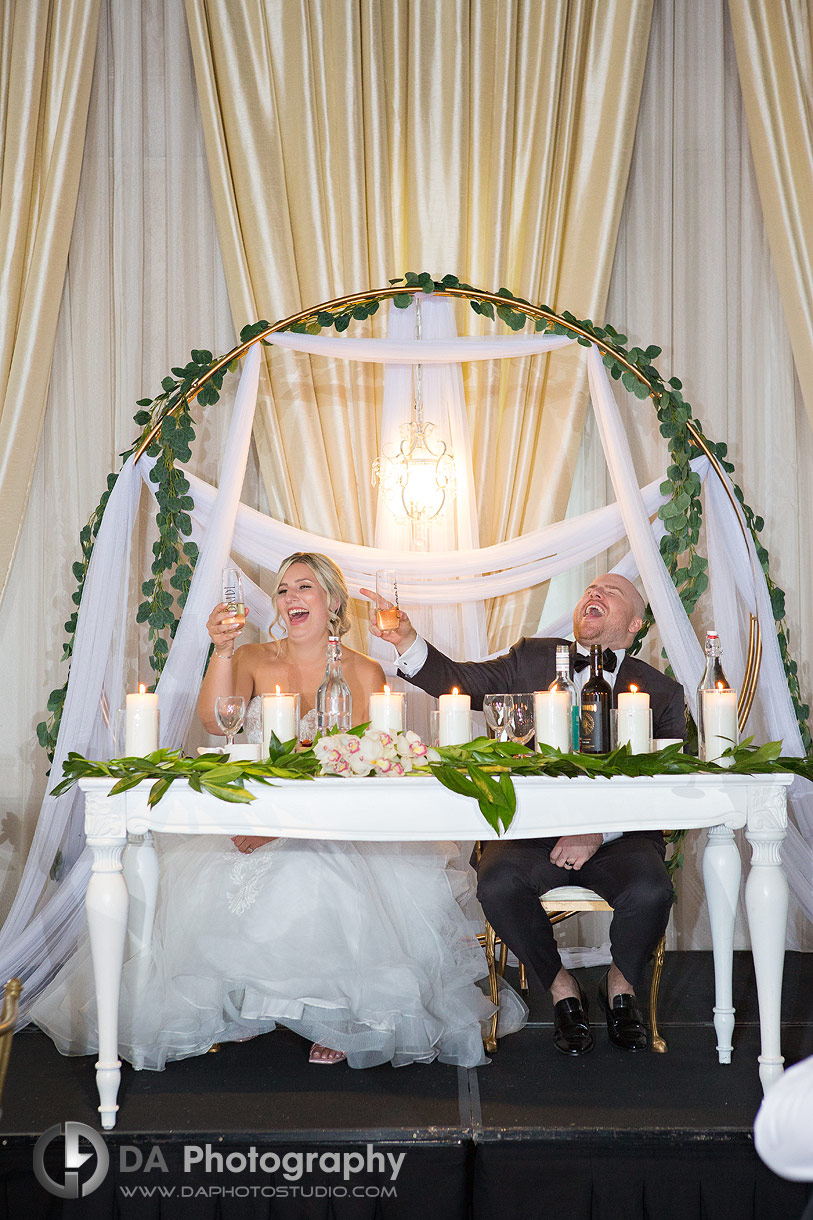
column 720, row 727
column 552, row 719
column 454, row 727
column 387, row 711
column 280, row 716
column 633, row 720
column 141, row 723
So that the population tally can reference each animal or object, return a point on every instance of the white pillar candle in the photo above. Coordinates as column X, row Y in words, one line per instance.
column 454, row 726
column 387, row 711
column 553, row 720
column 720, row 728
column 634, row 720
column 280, row 716
column 141, row 723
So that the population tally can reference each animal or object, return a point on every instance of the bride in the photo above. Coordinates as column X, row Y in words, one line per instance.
column 363, row 949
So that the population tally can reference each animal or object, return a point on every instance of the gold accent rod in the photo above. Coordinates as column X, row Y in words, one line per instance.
column 752, row 666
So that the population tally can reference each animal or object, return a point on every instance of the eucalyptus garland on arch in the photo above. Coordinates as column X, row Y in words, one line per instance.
column 168, row 416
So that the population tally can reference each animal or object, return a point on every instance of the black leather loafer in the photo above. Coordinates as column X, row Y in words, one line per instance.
column 571, row 1031
column 625, row 1024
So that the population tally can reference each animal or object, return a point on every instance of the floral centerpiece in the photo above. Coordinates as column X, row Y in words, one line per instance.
column 374, row 753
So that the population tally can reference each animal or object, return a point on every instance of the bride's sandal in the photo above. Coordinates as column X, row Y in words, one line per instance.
column 324, row 1055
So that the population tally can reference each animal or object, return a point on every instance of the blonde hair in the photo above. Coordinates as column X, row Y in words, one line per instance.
column 329, row 577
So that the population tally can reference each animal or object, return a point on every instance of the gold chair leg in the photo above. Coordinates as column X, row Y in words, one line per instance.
column 490, row 941
column 523, row 979
column 658, row 1043
column 503, row 959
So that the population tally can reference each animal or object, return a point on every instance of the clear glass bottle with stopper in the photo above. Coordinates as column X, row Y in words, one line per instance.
column 565, row 684
column 334, row 704
column 713, row 679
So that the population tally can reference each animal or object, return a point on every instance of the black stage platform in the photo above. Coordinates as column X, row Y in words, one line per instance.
column 607, row 1137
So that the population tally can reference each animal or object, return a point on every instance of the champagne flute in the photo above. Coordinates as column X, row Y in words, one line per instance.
column 232, row 590
column 521, row 722
column 230, row 711
column 496, row 709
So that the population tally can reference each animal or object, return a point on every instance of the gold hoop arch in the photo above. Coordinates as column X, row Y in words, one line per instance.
column 339, row 304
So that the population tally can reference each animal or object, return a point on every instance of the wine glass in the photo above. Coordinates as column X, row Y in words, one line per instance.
column 520, row 721
column 496, row 709
column 230, row 711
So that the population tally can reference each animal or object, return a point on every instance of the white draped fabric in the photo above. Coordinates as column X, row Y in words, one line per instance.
column 424, row 578
column 33, row 943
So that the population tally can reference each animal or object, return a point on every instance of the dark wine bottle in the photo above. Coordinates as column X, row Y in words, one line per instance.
column 596, row 701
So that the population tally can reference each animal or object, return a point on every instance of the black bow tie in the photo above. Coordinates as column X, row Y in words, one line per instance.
column 608, row 659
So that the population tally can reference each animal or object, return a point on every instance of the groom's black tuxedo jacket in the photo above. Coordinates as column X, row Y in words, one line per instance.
column 530, row 665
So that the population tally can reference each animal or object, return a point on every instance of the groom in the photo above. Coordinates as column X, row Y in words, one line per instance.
column 628, row 869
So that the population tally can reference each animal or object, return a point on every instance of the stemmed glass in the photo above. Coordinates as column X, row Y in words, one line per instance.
column 230, row 712
column 497, row 709
column 521, row 719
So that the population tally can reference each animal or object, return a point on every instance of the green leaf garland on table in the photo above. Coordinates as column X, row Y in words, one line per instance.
column 481, row 770
column 206, row 773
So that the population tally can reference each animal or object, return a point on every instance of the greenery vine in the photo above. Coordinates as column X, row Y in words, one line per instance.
column 165, row 592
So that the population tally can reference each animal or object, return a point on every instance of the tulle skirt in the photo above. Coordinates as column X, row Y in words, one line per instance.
column 363, row 947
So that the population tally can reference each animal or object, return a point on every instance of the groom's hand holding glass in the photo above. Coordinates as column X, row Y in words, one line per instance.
column 401, row 636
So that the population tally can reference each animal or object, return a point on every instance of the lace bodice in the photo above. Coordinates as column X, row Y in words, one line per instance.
column 254, row 723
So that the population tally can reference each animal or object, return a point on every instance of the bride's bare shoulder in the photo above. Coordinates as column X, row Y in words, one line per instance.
column 255, row 655
column 367, row 669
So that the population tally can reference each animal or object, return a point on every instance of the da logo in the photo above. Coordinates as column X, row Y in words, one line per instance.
column 74, row 1157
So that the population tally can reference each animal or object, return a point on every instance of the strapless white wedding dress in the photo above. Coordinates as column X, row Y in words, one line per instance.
column 362, row 947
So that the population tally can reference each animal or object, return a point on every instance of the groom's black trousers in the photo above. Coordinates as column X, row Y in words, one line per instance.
column 628, row 872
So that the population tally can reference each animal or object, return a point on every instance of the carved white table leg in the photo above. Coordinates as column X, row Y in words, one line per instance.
column 766, row 903
column 106, row 903
column 141, row 874
column 721, row 875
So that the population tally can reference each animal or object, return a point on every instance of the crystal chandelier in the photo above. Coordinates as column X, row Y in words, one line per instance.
column 417, row 480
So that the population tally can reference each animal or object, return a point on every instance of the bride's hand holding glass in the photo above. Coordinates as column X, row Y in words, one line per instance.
column 224, row 626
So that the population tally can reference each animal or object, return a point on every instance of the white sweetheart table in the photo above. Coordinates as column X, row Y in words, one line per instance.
column 422, row 809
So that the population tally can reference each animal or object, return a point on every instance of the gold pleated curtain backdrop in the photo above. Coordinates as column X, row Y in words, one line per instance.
column 774, row 44
column 47, row 49
column 351, row 141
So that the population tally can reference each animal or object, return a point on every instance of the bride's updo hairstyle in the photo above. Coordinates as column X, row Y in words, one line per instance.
column 329, row 577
